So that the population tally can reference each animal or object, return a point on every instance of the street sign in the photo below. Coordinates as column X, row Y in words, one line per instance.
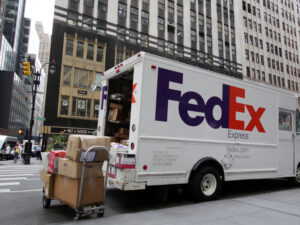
column 40, row 118
column 30, row 79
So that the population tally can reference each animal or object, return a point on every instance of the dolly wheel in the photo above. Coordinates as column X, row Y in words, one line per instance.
column 46, row 202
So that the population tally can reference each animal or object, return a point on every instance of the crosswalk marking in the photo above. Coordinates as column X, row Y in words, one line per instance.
column 10, row 191
column 16, row 175
column 13, row 178
column 9, row 183
column 4, row 190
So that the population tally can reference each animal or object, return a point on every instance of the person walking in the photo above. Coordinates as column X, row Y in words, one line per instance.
column 7, row 151
column 38, row 152
column 16, row 152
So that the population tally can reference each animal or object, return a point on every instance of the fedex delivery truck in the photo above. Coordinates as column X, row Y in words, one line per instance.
column 187, row 125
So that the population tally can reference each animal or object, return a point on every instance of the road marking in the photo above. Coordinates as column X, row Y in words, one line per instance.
column 14, row 178
column 32, row 170
column 34, row 179
column 10, row 184
column 16, row 175
column 21, row 191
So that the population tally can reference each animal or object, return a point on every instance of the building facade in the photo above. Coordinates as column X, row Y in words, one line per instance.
column 90, row 36
column 270, row 38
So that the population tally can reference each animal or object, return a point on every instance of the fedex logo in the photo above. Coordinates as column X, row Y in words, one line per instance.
column 228, row 104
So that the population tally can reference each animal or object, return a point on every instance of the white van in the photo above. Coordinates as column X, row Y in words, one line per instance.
column 193, row 126
column 12, row 141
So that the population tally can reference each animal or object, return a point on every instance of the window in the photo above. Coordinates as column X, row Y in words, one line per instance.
column 69, row 47
column 66, row 79
column 297, row 121
column 145, row 18
column 121, row 33
column 193, row 35
column 134, row 14
column 133, row 36
column 171, row 48
column 161, row 23
column 161, row 5
column 99, row 53
column 122, row 9
column 193, row 16
column 80, row 48
column 82, row 78
column 64, row 105
column 96, row 108
column 120, row 53
column 81, row 107
column 171, row 7
column 144, row 40
column 160, row 45
column 179, row 30
column 90, row 52
column 285, row 121
column 179, row 10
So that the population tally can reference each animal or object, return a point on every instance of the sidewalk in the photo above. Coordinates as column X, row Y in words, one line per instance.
column 33, row 161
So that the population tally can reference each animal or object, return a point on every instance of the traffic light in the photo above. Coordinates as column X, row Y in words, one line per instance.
column 21, row 131
column 26, row 68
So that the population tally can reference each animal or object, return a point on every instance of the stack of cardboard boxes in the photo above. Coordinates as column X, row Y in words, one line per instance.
column 65, row 183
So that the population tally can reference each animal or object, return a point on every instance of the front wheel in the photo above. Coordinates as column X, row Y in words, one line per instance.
column 206, row 184
column 46, row 202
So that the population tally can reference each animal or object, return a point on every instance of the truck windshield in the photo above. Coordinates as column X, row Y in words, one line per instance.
column 1, row 144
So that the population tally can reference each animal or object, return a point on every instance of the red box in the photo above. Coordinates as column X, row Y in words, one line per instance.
column 53, row 160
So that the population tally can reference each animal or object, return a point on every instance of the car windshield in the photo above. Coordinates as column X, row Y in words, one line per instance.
column 1, row 144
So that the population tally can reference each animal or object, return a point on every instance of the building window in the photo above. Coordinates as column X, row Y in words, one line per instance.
column 180, row 10
column 171, row 7
column 145, row 18
column 133, row 36
column 144, row 40
column 99, row 53
column 90, row 52
column 82, row 78
column 180, row 51
column 120, row 53
column 193, row 35
column 134, row 14
column 193, row 16
column 170, row 48
column 161, row 23
column 161, row 4
column 69, row 47
column 180, row 30
column 96, row 108
column 80, row 48
column 81, row 107
column 122, row 9
column 160, row 45
column 64, row 105
column 121, row 33
column 66, row 79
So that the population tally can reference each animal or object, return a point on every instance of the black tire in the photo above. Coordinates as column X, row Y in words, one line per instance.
column 206, row 184
column 46, row 202
column 100, row 214
column 296, row 180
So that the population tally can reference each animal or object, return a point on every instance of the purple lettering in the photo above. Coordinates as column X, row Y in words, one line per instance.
column 104, row 96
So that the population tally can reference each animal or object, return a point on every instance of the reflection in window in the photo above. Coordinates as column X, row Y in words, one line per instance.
column 99, row 53
column 90, row 52
column 64, row 105
column 79, row 51
column 67, row 75
column 119, row 56
column 144, row 40
column 69, row 47
column 82, row 78
column 96, row 108
column 285, row 121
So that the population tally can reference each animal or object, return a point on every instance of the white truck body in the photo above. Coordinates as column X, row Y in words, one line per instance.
column 182, row 116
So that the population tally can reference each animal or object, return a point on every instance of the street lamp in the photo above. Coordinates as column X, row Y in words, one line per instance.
column 36, row 82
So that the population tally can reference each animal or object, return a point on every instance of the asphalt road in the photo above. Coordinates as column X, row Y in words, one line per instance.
column 249, row 202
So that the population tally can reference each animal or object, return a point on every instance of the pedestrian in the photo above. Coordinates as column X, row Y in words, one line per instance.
column 16, row 152
column 7, row 152
column 38, row 152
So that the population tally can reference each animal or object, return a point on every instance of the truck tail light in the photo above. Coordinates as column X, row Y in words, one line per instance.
column 153, row 67
column 145, row 167
column 132, row 146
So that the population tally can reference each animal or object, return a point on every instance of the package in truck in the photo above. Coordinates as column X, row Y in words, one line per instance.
column 78, row 144
column 67, row 189
column 53, row 160
column 72, row 169
column 116, row 148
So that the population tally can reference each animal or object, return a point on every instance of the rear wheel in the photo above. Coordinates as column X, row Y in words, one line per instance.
column 46, row 202
column 297, row 177
column 206, row 184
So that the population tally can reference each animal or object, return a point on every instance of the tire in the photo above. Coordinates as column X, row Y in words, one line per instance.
column 296, row 180
column 46, row 202
column 206, row 184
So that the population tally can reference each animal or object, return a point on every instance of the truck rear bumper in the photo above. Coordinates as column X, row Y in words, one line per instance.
column 126, row 185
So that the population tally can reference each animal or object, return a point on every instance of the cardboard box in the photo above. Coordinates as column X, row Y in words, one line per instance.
column 45, row 160
column 49, row 185
column 115, row 149
column 112, row 171
column 116, row 106
column 116, row 115
column 69, row 168
column 122, row 136
column 125, row 161
column 53, row 160
column 123, row 130
column 43, row 173
column 78, row 144
column 67, row 190
column 124, row 142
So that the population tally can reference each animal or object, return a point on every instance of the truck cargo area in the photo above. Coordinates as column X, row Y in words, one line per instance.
column 119, row 106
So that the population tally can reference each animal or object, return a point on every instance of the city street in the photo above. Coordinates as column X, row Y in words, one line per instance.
column 250, row 202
